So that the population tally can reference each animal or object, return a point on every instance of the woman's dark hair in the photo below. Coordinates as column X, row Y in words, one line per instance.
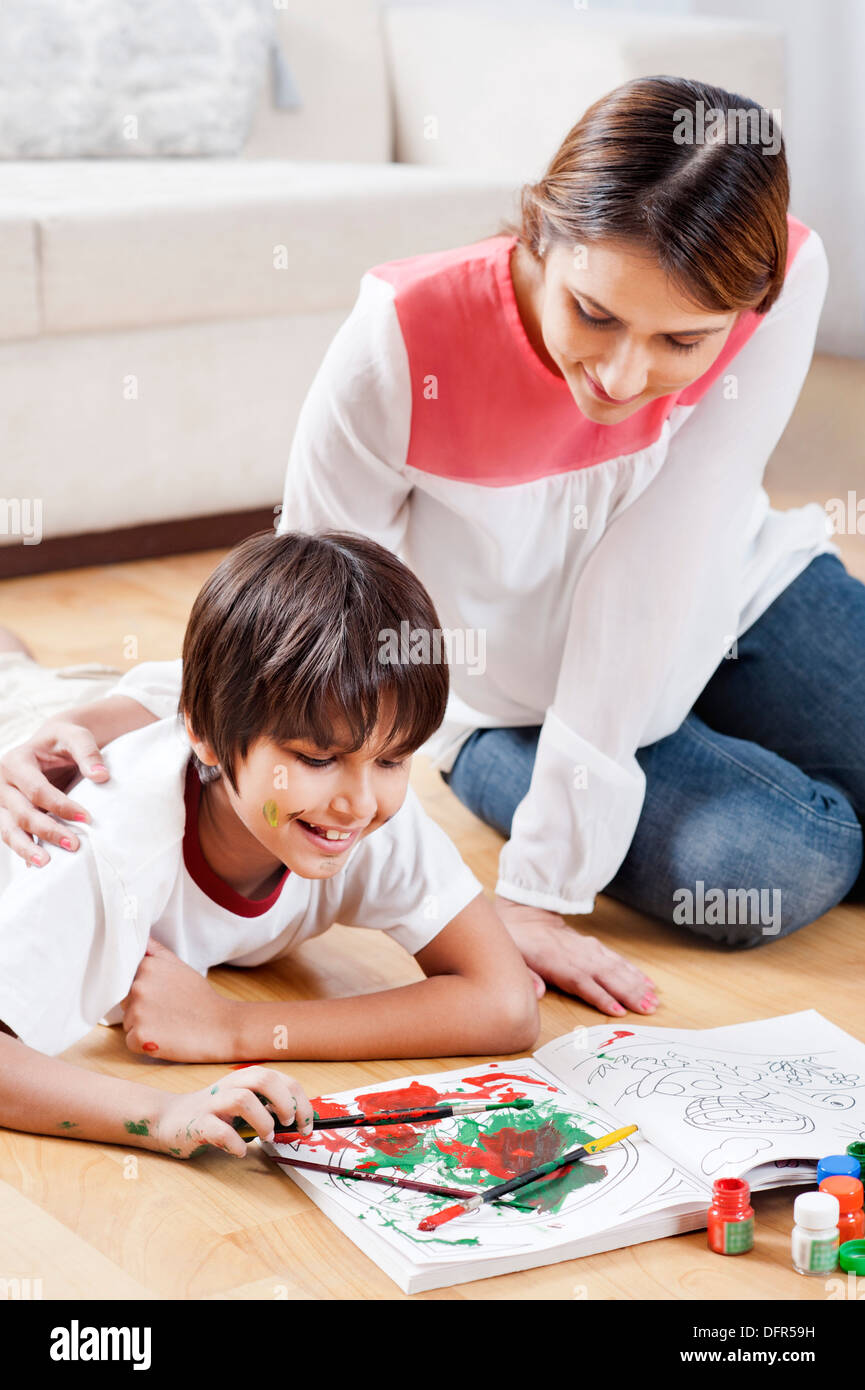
column 712, row 212
column 285, row 641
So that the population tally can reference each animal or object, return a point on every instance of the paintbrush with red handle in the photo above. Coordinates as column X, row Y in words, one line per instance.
column 494, row 1194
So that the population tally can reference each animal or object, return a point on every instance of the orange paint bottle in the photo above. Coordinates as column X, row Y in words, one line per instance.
column 850, row 1192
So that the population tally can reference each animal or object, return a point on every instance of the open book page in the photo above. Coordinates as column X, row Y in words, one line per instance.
column 766, row 1099
column 619, row 1188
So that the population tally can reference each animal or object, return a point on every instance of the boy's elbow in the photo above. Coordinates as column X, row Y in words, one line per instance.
column 518, row 1017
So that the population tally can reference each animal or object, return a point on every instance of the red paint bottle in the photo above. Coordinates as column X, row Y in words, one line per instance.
column 849, row 1191
column 731, row 1217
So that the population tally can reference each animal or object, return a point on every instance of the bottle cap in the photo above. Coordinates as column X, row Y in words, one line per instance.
column 852, row 1256
column 816, row 1211
column 847, row 1190
column 857, row 1150
column 837, row 1166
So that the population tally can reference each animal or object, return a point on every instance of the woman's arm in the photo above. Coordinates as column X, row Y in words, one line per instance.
column 478, row 998
column 45, row 1095
column 346, row 469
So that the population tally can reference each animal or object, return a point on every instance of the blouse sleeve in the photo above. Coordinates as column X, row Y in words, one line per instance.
column 346, row 470
column 654, row 610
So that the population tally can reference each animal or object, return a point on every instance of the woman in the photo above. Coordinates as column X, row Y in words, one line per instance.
column 564, row 429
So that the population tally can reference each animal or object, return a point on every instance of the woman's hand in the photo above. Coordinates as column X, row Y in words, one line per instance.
column 580, row 965
column 172, row 1012
column 31, row 780
column 188, row 1124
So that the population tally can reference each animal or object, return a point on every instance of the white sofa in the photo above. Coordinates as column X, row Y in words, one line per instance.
column 152, row 357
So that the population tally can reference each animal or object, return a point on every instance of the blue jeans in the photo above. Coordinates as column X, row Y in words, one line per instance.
column 761, row 788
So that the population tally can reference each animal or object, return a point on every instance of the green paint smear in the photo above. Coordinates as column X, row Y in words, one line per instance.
column 131, row 1127
column 202, row 1149
column 68, row 1124
column 270, row 811
column 399, row 1226
column 174, row 1151
column 544, row 1132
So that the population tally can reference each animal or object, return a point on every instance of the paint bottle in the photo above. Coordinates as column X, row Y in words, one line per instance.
column 851, row 1222
column 857, row 1150
column 837, row 1166
column 851, row 1256
column 731, row 1217
column 815, row 1235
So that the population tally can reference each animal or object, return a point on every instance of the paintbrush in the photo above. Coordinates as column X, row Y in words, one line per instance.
column 364, row 1175
column 494, row 1194
column 414, row 1115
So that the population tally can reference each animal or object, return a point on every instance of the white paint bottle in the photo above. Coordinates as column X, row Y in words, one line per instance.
column 815, row 1235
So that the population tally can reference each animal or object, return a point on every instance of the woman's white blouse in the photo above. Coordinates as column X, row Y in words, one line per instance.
column 590, row 578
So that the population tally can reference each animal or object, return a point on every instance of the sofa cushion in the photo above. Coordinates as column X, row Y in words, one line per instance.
column 19, row 302
column 130, row 78
column 335, row 49
column 467, row 79
column 127, row 244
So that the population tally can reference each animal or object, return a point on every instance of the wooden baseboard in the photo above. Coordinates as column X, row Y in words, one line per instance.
column 134, row 542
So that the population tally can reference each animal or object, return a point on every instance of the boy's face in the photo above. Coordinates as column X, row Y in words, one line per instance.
column 308, row 806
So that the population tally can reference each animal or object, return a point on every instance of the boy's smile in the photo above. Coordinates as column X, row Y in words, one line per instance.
column 296, row 806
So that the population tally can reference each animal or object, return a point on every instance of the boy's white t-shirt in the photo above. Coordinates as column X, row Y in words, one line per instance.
column 73, row 933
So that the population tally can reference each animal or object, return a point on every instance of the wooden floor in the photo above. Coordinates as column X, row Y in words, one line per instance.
column 95, row 1221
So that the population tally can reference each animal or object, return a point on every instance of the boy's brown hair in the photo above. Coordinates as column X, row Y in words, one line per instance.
column 286, row 640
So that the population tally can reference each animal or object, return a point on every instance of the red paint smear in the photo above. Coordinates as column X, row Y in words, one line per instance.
column 332, row 1140
column 430, row 1223
column 491, row 1081
column 622, row 1033
column 417, row 1095
column 414, row 1096
column 503, row 1154
column 397, row 1138
column 149, row 1047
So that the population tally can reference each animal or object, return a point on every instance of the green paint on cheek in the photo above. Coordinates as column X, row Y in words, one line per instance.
column 68, row 1124
column 270, row 811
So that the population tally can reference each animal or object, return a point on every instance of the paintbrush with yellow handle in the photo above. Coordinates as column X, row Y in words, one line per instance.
column 492, row 1194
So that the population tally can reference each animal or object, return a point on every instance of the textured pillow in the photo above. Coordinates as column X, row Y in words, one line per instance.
column 115, row 78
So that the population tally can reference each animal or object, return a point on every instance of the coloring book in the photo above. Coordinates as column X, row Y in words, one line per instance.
column 763, row 1101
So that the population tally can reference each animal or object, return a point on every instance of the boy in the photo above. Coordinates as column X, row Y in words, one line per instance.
column 276, row 803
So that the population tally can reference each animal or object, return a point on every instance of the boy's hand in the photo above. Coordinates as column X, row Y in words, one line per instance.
column 172, row 1012
column 200, row 1119
column 577, row 964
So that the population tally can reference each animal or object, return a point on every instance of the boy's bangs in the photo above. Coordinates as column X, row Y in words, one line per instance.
column 343, row 716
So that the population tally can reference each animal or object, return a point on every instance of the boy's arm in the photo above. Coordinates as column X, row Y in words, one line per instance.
column 478, row 997
column 44, row 1095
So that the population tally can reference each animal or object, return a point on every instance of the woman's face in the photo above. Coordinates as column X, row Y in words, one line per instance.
column 618, row 330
